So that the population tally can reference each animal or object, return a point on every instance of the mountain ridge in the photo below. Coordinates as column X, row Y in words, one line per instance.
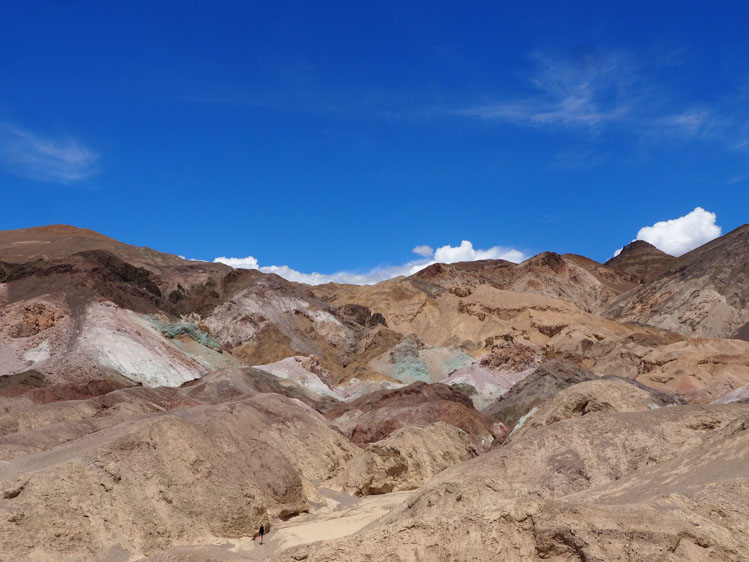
column 140, row 391
column 703, row 293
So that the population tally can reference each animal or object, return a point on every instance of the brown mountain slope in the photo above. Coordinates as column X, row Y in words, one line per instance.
column 642, row 260
column 85, row 307
column 137, row 470
column 62, row 241
column 703, row 293
column 698, row 369
column 96, row 466
column 670, row 484
column 92, row 315
column 584, row 282
column 81, row 479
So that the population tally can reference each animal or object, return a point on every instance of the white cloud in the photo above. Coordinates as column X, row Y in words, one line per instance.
column 426, row 251
column 466, row 252
column 62, row 160
column 586, row 92
column 239, row 263
column 689, row 123
column 366, row 278
column 444, row 254
column 679, row 236
column 619, row 89
column 349, row 277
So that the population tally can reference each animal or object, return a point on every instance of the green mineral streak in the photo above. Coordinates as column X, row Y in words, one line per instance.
column 173, row 329
column 522, row 420
column 411, row 370
column 455, row 362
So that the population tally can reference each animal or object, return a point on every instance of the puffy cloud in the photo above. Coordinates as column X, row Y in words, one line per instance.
column 444, row 254
column 426, row 251
column 679, row 236
column 466, row 252
column 370, row 277
column 61, row 160
column 240, row 263
column 349, row 277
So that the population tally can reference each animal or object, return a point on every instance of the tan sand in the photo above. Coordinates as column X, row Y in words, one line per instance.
column 339, row 516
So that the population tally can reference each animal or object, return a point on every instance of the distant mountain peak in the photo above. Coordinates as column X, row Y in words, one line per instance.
column 642, row 259
column 639, row 246
column 703, row 292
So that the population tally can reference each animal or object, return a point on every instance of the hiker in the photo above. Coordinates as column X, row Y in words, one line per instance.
column 261, row 532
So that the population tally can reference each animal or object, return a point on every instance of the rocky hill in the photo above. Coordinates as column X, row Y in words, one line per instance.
column 158, row 319
column 62, row 241
column 153, row 407
column 667, row 484
column 642, row 260
column 703, row 293
column 586, row 283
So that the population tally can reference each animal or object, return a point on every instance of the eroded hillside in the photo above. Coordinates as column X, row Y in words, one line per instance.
column 158, row 408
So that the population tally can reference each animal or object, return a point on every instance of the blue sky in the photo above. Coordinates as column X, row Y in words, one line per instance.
column 337, row 136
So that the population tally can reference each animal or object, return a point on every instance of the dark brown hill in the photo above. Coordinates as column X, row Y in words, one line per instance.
column 641, row 259
column 61, row 241
column 85, row 307
column 582, row 281
column 702, row 293
column 376, row 415
column 545, row 383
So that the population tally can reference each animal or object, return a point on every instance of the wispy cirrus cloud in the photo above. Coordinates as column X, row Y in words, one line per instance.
column 62, row 160
column 575, row 158
column 584, row 93
column 724, row 124
column 698, row 122
column 690, row 122
column 622, row 92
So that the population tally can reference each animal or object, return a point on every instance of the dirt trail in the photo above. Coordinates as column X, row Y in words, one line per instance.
column 340, row 515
